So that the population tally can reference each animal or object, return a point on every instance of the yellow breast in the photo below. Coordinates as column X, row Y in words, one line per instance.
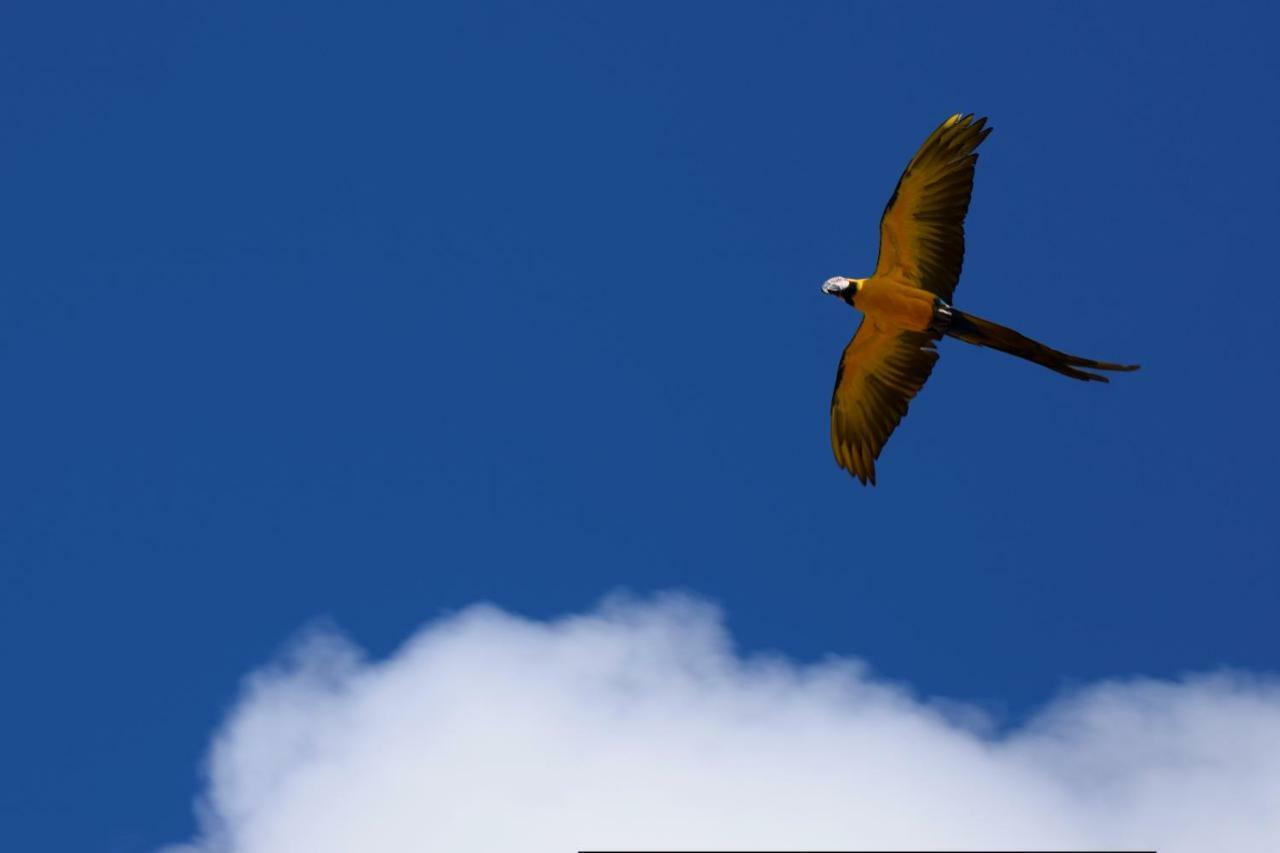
column 893, row 305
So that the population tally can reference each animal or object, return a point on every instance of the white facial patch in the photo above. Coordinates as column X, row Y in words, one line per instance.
column 835, row 284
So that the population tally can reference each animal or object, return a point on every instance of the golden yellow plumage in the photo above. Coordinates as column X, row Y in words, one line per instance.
column 905, row 303
column 922, row 229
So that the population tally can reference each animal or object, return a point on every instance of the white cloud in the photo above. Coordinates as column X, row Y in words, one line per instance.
column 638, row 726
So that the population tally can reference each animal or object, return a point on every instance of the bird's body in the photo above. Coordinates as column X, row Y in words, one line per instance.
column 895, row 305
column 906, row 302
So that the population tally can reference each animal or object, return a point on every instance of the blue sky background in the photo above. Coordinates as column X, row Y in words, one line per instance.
column 367, row 312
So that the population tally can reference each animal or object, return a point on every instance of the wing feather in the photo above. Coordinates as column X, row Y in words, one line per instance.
column 879, row 374
column 922, row 229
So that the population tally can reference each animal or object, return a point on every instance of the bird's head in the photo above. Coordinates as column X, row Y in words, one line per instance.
column 845, row 288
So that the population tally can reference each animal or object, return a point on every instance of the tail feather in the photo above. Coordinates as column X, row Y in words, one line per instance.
column 984, row 333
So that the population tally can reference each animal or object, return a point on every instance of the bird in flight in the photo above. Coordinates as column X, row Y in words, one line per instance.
column 906, row 303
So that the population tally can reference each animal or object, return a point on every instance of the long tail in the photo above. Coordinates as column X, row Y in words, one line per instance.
column 984, row 333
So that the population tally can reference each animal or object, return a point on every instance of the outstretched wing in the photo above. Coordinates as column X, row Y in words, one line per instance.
column 879, row 373
column 922, row 229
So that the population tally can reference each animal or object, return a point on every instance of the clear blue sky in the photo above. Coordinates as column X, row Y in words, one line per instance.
column 366, row 312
